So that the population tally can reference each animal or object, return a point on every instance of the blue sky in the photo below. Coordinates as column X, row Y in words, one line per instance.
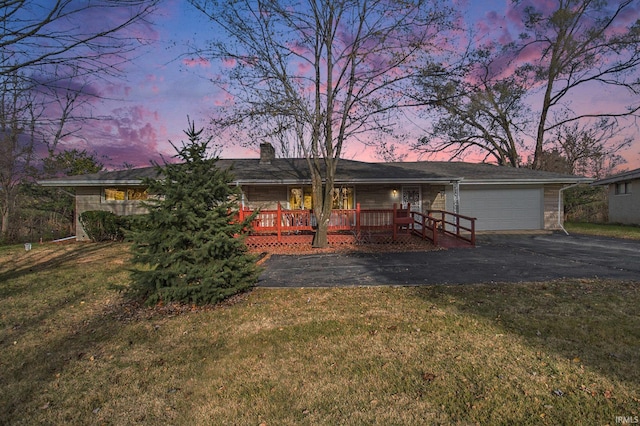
column 164, row 84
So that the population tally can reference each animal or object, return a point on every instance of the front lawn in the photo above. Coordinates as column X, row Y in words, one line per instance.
column 73, row 351
column 604, row 230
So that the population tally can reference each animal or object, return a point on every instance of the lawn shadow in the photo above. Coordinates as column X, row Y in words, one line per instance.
column 21, row 264
column 49, row 329
column 88, row 355
column 595, row 322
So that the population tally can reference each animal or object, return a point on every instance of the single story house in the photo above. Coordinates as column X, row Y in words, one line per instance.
column 624, row 203
column 500, row 198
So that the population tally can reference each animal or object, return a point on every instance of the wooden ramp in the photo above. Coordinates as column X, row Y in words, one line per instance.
column 449, row 241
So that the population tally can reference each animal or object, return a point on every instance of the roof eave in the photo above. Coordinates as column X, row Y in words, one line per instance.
column 525, row 181
column 615, row 179
column 85, row 183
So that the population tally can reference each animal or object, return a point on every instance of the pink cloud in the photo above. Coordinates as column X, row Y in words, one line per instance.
column 196, row 62
column 130, row 136
column 229, row 62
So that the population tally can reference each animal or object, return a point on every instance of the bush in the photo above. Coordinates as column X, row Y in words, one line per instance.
column 585, row 203
column 102, row 225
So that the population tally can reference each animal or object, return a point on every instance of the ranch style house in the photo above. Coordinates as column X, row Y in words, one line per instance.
column 497, row 198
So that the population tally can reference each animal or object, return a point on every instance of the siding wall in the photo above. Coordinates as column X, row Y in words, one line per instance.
column 434, row 197
column 265, row 197
column 369, row 196
column 378, row 196
column 382, row 196
column 90, row 198
column 625, row 208
column 551, row 207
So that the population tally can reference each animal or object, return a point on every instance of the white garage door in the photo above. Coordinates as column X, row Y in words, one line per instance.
column 502, row 208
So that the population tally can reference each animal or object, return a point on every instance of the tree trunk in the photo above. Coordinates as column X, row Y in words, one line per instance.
column 322, row 210
column 4, row 235
column 320, row 239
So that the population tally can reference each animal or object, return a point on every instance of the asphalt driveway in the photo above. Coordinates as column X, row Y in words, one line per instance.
column 497, row 258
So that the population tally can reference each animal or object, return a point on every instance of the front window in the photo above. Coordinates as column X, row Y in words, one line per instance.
column 343, row 197
column 623, row 188
column 125, row 194
column 302, row 198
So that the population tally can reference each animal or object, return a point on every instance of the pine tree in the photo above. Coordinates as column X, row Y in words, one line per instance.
column 189, row 247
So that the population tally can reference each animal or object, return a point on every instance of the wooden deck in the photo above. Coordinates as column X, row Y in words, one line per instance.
column 361, row 226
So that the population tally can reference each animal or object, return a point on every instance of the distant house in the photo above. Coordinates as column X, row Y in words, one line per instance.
column 500, row 198
column 624, row 197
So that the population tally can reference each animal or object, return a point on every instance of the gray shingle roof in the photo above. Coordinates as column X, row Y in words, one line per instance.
column 620, row 177
column 482, row 172
column 296, row 171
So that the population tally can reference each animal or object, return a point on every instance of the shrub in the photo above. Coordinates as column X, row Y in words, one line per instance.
column 102, row 225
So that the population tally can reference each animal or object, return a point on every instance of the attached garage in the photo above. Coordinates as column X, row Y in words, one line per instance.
column 502, row 208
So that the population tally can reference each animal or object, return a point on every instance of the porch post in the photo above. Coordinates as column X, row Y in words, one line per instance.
column 473, row 232
column 435, row 233
column 456, row 197
column 357, row 218
column 279, row 222
column 393, row 221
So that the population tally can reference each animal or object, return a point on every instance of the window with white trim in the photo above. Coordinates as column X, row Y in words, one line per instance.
column 623, row 188
column 302, row 197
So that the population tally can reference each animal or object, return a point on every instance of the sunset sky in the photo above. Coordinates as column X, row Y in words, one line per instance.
column 164, row 85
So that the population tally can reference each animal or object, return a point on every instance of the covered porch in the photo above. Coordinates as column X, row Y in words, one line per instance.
column 361, row 226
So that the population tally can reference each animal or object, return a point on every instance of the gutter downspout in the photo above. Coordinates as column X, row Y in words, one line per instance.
column 242, row 203
column 456, row 196
column 560, row 212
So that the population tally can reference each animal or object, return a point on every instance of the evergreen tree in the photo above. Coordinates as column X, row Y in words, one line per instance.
column 189, row 247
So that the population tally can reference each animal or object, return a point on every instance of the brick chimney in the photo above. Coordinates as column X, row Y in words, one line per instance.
column 267, row 153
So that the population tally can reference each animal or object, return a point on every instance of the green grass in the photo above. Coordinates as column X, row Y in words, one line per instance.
column 604, row 230
column 72, row 351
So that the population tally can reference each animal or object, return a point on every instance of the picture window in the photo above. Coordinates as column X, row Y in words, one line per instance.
column 125, row 194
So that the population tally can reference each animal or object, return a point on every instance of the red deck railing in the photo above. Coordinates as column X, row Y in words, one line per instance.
column 430, row 226
column 456, row 225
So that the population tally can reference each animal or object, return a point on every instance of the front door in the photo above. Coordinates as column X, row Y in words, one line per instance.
column 413, row 195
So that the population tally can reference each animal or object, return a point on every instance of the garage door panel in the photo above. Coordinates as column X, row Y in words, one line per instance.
column 503, row 209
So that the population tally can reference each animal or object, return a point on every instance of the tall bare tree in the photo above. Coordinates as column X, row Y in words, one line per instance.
column 593, row 149
column 323, row 71
column 562, row 48
column 583, row 43
column 18, row 115
column 49, row 50
column 94, row 36
column 482, row 111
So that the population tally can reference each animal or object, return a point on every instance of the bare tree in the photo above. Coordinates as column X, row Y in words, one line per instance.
column 590, row 150
column 49, row 52
column 389, row 152
column 324, row 72
column 564, row 48
column 95, row 36
column 582, row 42
column 482, row 111
column 18, row 115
